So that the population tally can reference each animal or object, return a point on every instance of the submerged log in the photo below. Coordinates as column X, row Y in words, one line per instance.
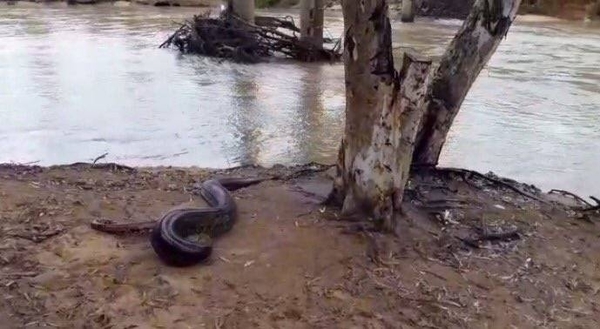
column 232, row 38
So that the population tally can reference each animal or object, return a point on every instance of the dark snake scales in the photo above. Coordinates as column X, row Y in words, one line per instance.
column 170, row 234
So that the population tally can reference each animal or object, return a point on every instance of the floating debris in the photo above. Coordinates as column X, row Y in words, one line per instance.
column 231, row 38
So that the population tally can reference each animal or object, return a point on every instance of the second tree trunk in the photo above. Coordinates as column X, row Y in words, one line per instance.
column 467, row 54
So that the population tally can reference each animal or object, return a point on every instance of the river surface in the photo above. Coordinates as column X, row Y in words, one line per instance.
column 78, row 82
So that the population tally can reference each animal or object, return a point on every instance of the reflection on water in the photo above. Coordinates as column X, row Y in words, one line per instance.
column 535, row 112
column 78, row 82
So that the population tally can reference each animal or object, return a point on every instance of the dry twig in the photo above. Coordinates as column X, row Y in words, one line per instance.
column 571, row 194
column 486, row 235
column 588, row 207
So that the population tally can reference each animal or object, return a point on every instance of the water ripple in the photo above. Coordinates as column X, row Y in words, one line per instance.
column 78, row 82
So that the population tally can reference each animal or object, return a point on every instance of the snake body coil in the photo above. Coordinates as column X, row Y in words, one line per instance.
column 171, row 235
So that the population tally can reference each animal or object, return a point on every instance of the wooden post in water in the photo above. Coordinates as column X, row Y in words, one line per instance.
column 408, row 11
column 242, row 8
column 311, row 22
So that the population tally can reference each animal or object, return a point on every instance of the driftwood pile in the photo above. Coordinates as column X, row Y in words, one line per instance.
column 231, row 38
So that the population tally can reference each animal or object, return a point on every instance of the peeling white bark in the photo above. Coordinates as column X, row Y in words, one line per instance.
column 383, row 109
column 465, row 57
column 395, row 119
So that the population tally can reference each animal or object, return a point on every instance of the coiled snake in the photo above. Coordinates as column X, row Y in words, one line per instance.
column 170, row 237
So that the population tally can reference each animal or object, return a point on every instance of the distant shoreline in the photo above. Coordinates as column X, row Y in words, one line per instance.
column 124, row 3
column 530, row 17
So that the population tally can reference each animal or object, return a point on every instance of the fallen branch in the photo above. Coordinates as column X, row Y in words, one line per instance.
column 571, row 194
column 496, row 181
column 105, row 166
column 232, row 38
column 313, row 169
column 37, row 237
column 169, row 40
column 588, row 207
column 268, row 21
column 99, row 158
column 592, row 208
column 486, row 235
column 19, row 274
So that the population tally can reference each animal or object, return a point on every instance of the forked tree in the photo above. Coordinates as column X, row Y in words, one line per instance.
column 396, row 115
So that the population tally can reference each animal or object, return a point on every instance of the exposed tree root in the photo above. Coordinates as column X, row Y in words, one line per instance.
column 587, row 207
column 310, row 168
column 104, row 166
column 231, row 38
column 573, row 195
column 466, row 172
column 592, row 208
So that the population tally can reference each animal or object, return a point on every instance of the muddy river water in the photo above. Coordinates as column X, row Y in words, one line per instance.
column 78, row 82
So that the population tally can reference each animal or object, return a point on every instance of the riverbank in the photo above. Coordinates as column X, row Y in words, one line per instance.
column 459, row 9
column 121, row 3
column 456, row 9
column 289, row 262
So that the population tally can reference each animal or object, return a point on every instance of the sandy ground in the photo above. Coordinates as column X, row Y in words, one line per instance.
column 289, row 262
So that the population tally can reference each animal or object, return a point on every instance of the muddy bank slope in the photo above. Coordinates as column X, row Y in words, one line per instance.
column 472, row 253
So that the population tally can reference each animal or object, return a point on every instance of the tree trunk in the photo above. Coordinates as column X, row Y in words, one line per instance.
column 311, row 22
column 407, row 13
column 592, row 11
column 383, row 109
column 243, row 9
column 465, row 57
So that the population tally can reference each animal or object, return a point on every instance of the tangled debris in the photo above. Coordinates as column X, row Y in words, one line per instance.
column 231, row 38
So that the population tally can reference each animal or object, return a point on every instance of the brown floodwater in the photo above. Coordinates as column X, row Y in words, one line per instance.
column 76, row 82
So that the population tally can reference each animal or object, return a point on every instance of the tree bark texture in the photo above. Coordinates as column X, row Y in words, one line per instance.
column 407, row 13
column 243, row 9
column 311, row 22
column 465, row 57
column 383, row 110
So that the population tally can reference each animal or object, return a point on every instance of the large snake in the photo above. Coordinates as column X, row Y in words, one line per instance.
column 171, row 235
